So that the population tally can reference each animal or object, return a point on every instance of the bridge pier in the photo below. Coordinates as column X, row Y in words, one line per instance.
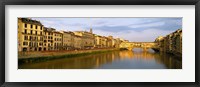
column 144, row 49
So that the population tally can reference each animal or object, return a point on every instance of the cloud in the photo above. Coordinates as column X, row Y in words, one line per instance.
column 147, row 25
column 133, row 29
column 148, row 35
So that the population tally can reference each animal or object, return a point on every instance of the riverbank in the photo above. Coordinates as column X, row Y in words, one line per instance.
column 31, row 57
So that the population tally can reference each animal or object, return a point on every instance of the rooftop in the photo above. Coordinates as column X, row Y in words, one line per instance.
column 30, row 21
column 49, row 29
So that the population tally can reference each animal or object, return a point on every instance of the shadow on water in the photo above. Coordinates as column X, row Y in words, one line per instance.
column 136, row 59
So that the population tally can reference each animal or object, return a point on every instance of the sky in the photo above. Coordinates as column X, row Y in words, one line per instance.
column 132, row 29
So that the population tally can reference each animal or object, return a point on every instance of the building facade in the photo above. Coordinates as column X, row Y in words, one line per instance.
column 48, row 39
column 88, row 38
column 160, row 43
column 33, row 36
column 30, row 35
column 67, row 40
column 108, row 42
column 98, row 41
column 57, row 37
column 78, row 42
column 171, row 43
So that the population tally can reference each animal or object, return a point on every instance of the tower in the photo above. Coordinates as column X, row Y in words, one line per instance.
column 90, row 30
column 90, row 22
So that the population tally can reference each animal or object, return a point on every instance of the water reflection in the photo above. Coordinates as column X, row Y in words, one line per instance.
column 136, row 59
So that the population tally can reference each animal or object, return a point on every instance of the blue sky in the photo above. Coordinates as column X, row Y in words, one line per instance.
column 132, row 29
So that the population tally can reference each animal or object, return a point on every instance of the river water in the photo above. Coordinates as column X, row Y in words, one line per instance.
column 136, row 59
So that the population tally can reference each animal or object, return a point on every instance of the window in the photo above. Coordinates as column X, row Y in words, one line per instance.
column 31, row 26
column 30, row 43
column 30, row 37
column 31, row 32
column 41, row 38
column 40, row 44
column 40, row 33
column 36, row 27
column 36, row 32
column 25, row 37
column 25, row 31
column 25, row 25
column 35, row 44
column 41, row 28
column 25, row 43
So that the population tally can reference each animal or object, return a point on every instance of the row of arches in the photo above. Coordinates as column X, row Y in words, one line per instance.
column 144, row 46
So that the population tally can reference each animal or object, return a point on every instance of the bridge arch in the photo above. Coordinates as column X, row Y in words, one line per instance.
column 143, row 45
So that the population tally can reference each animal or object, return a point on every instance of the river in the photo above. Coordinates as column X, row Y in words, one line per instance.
column 136, row 59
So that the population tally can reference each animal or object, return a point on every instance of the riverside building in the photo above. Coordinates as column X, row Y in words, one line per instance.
column 48, row 39
column 33, row 36
column 172, row 43
column 68, row 40
column 57, row 37
column 87, row 38
column 30, row 35
column 98, row 41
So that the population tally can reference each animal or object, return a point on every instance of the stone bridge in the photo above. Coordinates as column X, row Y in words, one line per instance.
column 143, row 45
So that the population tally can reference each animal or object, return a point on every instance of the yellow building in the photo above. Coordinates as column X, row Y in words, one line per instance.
column 168, row 43
column 48, row 39
column 57, row 37
column 172, row 43
column 104, row 42
column 33, row 36
column 87, row 38
column 30, row 35
column 77, row 42
column 113, row 41
column 118, row 42
column 160, row 42
column 99, row 41
column 108, row 42
column 178, row 40
column 68, row 39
